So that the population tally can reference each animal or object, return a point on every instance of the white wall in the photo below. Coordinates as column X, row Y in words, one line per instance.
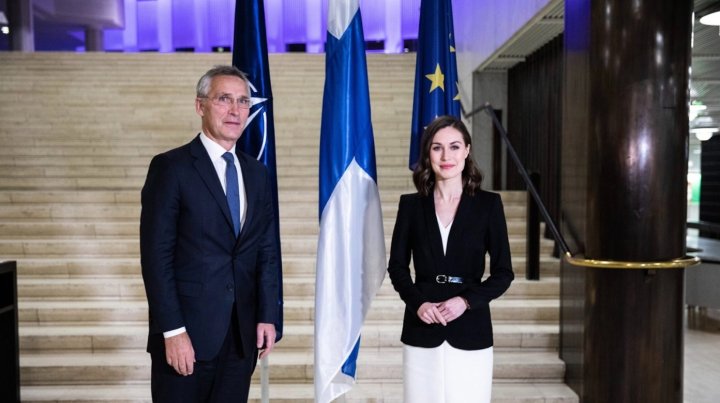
column 481, row 27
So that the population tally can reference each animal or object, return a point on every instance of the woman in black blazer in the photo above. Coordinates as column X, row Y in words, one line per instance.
column 447, row 227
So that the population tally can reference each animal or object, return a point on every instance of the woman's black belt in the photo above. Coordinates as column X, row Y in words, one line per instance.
column 441, row 279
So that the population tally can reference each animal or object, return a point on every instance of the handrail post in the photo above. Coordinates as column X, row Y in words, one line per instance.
column 532, row 260
column 10, row 347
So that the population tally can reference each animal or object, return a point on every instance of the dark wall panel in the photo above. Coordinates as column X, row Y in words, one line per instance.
column 535, row 120
column 710, row 182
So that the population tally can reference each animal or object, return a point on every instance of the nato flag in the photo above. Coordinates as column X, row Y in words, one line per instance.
column 250, row 55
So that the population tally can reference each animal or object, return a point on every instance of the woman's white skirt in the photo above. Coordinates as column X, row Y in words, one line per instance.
column 445, row 374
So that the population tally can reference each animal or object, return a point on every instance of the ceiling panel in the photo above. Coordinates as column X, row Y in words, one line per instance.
column 705, row 71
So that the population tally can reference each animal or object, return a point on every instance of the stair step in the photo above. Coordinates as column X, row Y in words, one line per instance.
column 74, row 227
column 129, row 246
column 362, row 392
column 133, row 196
column 140, row 170
column 131, row 211
column 284, row 366
column 302, row 265
column 163, row 139
column 297, row 286
column 297, row 335
column 73, row 266
column 134, row 308
column 285, row 166
column 136, row 182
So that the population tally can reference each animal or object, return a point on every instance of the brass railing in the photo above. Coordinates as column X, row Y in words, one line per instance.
column 678, row 263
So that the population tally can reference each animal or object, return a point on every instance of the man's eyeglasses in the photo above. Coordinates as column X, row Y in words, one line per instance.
column 226, row 101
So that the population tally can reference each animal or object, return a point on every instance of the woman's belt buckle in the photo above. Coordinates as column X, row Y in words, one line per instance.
column 443, row 279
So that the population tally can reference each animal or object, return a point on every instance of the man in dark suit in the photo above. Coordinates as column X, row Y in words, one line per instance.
column 208, row 252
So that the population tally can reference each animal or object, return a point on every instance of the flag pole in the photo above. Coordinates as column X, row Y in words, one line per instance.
column 264, row 380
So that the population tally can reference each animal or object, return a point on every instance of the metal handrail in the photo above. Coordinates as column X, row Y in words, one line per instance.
column 682, row 262
column 523, row 172
column 679, row 263
column 704, row 226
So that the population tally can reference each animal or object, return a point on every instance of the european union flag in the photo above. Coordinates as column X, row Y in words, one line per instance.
column 436, row 79
column 250, row 55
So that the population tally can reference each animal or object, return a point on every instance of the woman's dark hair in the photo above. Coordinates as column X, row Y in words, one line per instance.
column 424, row 176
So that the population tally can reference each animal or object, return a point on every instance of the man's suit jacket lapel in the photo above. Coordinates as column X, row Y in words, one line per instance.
column 208, row 174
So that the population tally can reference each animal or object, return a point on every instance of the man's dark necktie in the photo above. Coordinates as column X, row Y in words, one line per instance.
column 232, row 192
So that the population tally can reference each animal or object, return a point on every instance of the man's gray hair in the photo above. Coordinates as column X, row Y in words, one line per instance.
column 203, row 85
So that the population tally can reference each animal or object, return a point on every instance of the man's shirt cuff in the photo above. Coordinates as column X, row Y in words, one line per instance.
column 175, row 332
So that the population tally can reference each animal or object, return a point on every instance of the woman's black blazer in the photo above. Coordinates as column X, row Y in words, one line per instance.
column 478, row 228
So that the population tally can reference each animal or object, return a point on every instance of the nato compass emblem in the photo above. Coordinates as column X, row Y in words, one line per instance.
column 258, row 108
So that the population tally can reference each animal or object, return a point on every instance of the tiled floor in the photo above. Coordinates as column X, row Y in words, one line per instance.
column 702, row 367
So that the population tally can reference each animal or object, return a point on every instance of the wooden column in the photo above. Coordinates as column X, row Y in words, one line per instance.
column 624, row 167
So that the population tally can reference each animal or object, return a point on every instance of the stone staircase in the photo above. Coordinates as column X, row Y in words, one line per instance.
column 77, row 132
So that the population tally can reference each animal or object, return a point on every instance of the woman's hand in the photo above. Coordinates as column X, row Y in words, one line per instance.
column 429, row 313
column 452, row 308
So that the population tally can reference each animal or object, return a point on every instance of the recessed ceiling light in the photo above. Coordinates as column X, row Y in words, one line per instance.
column 711, row 19
column 4, row 28
column 704, row 133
